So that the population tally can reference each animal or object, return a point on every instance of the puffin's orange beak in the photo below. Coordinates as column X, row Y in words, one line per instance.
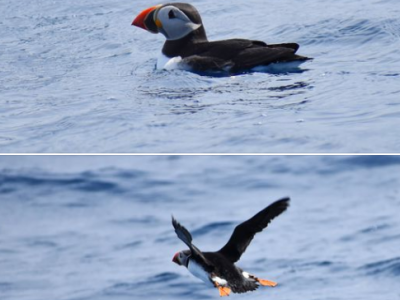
column 175, row 259
column 141, row 18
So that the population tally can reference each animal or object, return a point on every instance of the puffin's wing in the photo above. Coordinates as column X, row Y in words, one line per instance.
column 184, row 235
column 255, row 56
column 244, row 232
column 206, row 63
column 293, row 46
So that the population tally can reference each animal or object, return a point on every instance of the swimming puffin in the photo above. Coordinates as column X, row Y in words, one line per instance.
column 187, row 43
column 218, row 269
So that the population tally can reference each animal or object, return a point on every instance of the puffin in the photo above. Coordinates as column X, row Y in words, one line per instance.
column 187, row 45
column 218, row 269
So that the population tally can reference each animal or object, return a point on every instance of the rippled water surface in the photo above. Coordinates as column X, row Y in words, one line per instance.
column 75, row 76
column 97, row 228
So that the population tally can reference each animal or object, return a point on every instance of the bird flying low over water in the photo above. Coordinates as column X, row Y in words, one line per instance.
column 187, row 43
column 218, row 269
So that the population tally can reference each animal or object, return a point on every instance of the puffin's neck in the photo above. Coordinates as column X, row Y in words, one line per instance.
column 180, row 47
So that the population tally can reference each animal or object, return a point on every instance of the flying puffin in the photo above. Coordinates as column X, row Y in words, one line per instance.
column 187, row 43
column 217, row 269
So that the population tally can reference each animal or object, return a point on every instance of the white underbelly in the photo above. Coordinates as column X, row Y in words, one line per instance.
column 199, row 272
column 169, row 63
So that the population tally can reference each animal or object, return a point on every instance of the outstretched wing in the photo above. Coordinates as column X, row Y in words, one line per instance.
column 244, row 232
column 185, row 236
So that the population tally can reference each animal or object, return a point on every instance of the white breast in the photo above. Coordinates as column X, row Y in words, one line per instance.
column 168, row 63
column 199, row 272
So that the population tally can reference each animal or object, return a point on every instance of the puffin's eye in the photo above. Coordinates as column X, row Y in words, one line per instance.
column 171, row 14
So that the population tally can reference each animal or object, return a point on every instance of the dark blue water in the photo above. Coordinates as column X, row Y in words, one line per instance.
column 75, row 76
column 96, row 228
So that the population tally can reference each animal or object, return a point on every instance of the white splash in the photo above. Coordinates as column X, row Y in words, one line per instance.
column 279, row 67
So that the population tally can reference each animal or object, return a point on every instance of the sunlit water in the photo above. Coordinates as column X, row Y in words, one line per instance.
column 75, row 76
column 99, row 228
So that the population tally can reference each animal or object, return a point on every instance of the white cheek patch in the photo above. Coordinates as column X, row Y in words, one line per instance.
column 179, row 29
column 176, row 27
column 246, row 275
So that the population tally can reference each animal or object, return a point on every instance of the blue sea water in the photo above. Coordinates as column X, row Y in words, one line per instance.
column 75, row 76
column 97, row 228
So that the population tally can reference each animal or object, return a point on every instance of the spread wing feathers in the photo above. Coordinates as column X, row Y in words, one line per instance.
column 185, row 236
column 244, row 232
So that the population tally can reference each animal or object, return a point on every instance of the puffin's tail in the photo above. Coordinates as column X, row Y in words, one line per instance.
column 246, row 286
column 293, row 46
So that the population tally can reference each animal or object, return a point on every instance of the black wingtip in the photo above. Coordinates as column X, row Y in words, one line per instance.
column 283, row 203
column 174, row 222
column 285, row 199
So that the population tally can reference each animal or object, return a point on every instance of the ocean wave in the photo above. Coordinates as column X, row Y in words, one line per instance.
column 210, row 227
column 389, row 267
column 354, row 32
column 380, row 161
column 83, row 182
column 165, row 276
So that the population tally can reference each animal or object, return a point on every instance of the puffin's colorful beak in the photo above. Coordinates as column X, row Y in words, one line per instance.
column 175, row 259
column 145, row 19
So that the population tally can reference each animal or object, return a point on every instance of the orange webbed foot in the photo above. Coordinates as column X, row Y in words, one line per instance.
column 266, row 282
column 224, row 291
